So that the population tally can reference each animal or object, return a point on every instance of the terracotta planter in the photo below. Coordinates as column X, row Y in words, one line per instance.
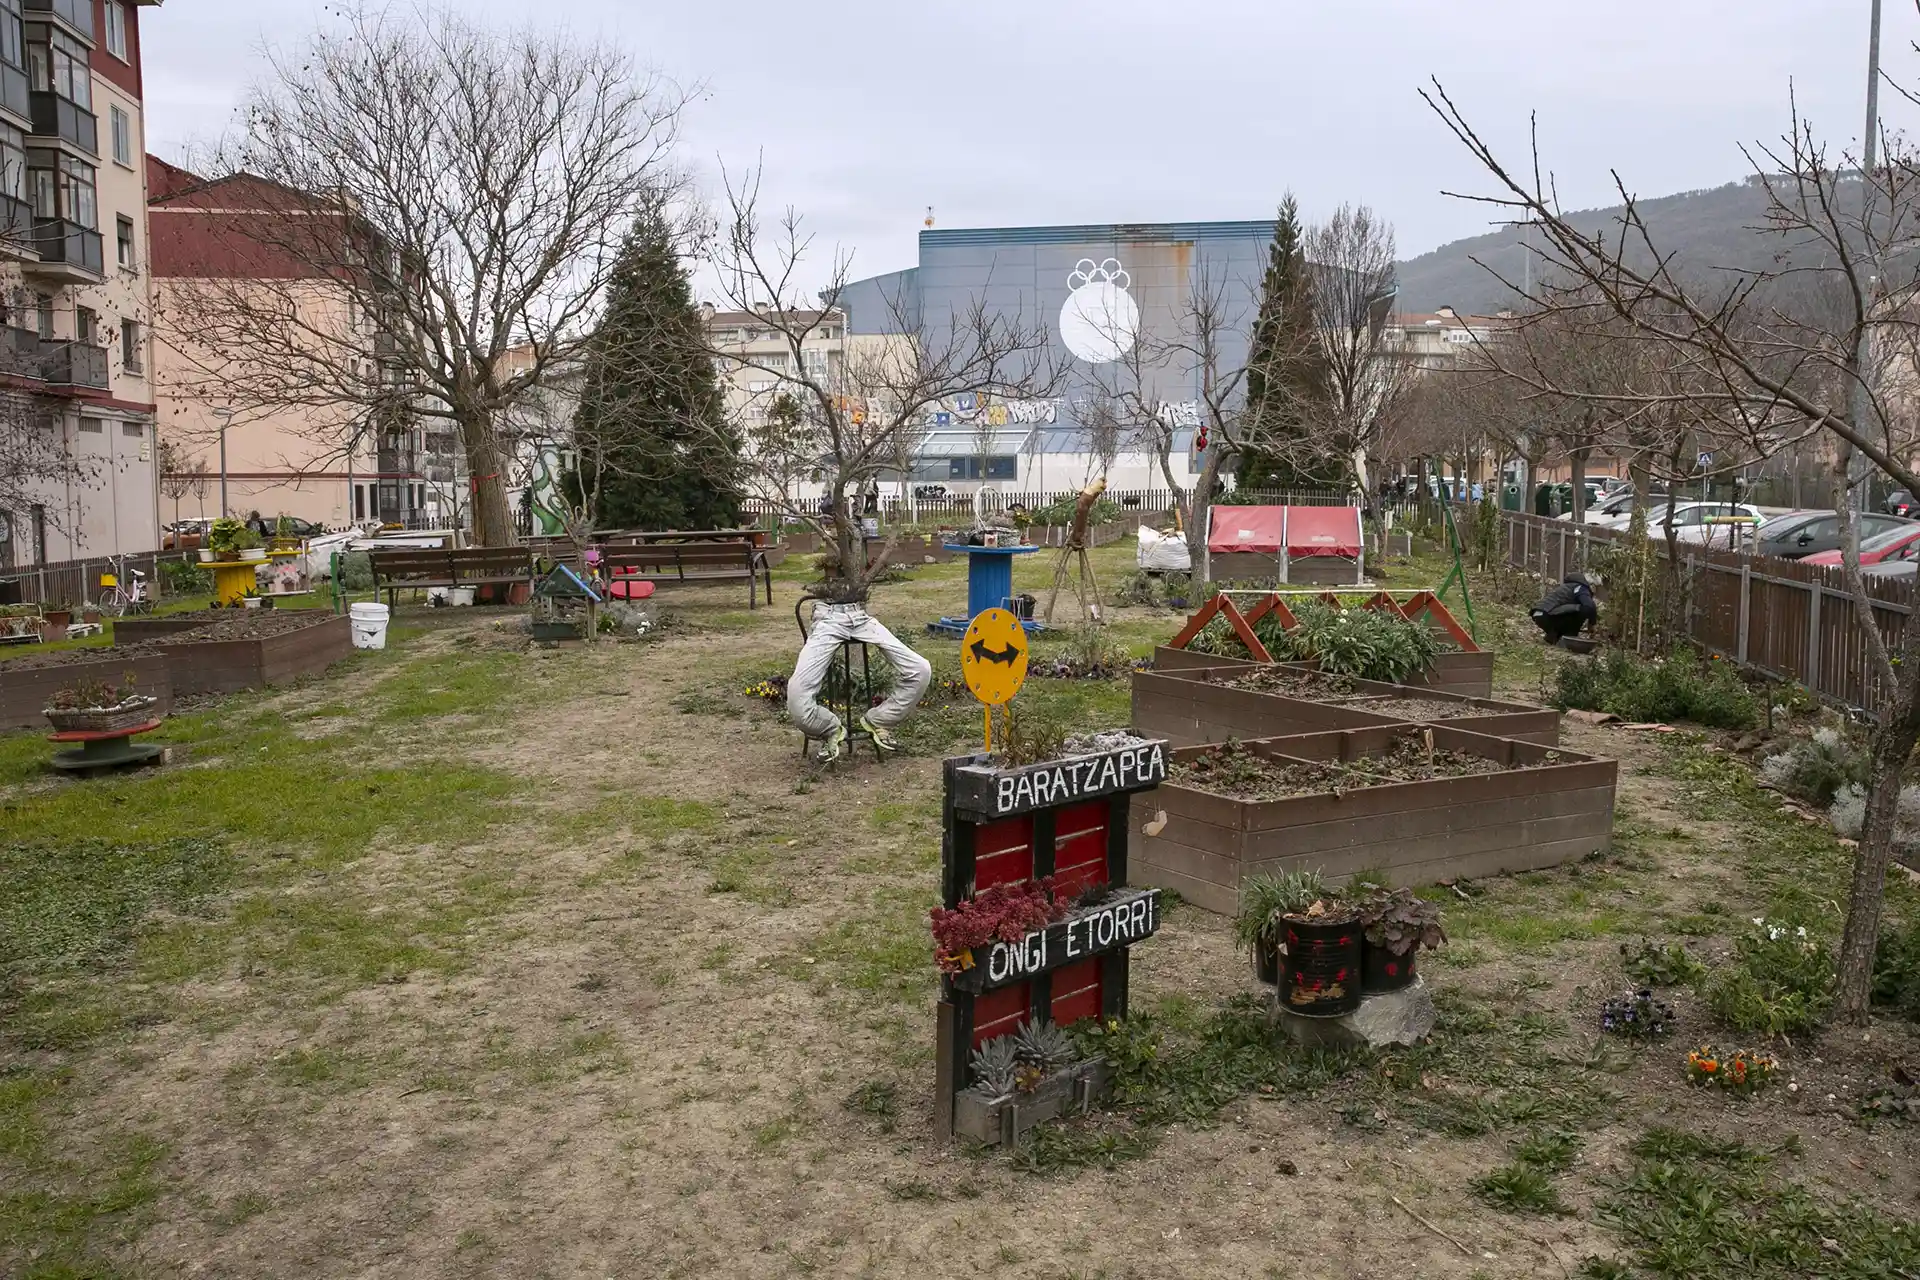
column 52, row 632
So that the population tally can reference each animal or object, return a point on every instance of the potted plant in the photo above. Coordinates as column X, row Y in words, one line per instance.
column 89, row 612
column 94, row 706
column 250, row 599
column 57, row 612
column 1319, row 968
column 1264, row 903
column 1398, row 927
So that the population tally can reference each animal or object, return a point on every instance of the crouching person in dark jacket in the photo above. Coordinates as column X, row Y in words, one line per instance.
column 1567, row 609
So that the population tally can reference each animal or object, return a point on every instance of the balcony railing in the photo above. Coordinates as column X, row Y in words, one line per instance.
column 77, row 14
column 20, row 352
column 73, row 364
column 69, row 244
column 55, row 117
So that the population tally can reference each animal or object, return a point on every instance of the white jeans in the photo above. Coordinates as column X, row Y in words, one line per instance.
column 833, row 624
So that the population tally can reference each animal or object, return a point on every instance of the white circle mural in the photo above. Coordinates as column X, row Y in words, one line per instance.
column 1099, row 319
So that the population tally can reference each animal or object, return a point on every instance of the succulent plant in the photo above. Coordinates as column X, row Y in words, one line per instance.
column 1045, row 1044
column 996, row 1065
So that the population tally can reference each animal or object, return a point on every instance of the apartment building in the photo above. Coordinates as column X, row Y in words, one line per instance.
column 330, row 460
column 75, row 299
column 755, row 355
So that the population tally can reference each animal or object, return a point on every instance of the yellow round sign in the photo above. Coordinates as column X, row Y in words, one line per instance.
column 993, row 656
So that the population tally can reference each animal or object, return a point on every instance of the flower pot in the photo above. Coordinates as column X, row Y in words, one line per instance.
column 52, row 632
column 253, row 554
column 1266, row 961
column 135, row 710
column 1320, row 971
column 250, row 602
column 90, row 615
column 1381, row 970
column 206, row 555
column 58, row 617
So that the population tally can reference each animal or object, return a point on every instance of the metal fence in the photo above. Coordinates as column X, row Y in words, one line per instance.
column 1786, row 619
column 1150, row 503
column 74, row 582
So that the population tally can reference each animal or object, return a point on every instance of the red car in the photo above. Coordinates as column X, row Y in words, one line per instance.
column 1895, row 544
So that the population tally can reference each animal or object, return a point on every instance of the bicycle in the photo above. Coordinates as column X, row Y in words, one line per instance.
column 117, row 601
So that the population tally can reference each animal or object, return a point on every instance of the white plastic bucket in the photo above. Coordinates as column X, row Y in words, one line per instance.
column 369, row 623
column 450, row 596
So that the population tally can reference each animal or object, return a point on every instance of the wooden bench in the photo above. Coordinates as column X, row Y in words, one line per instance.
column 417, row 570
column 692, row 564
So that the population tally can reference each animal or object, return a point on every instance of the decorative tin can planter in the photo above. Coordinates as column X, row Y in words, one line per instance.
column 1382, row 971
column 1320, row 971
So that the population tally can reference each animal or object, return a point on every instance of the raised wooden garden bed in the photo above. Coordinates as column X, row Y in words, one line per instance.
column 128, row 631
column 254, row 649
column 1522, row 807
column 1004, row 1118
column 26, row 684
column 1468, row 674
column 1205, row 704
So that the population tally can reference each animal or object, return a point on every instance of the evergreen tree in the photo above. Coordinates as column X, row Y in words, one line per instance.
column 1283, row 374
column 653, row 442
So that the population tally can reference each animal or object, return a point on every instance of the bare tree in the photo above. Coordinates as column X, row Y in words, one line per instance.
column 37, row 468
column 1363, row 371
column 1785, row 350
column 853, row 421
column 179, row 477
column 419, row 198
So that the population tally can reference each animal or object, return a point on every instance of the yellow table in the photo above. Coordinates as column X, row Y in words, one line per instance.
column 232, row 579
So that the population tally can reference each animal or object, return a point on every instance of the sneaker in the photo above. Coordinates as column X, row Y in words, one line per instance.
column 882, row 738
column 835, row 743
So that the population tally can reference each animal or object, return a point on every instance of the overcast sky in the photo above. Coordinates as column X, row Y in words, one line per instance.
column 1024, row 112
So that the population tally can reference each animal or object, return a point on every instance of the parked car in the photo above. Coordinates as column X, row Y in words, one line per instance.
column 1805, row 533
column 1902, row 503
column 1891, row 547
column 1710, row 524
column 185, row 535
column 1891, row 569
column 1617, row 503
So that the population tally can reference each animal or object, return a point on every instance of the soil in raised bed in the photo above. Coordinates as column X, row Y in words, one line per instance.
column 248, row 624
column 1231, row 770
column 69, row 657
column 1408, row 760
column 1421, row 710
column 1311, row 686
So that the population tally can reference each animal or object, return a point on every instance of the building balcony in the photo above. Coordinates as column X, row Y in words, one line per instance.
column 20, row 353
column 55, row 117
column 14, row 97
column 68, row 252
column 79, row 365
column 77, row 14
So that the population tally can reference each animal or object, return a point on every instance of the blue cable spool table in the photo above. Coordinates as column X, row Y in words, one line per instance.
column 989, row 585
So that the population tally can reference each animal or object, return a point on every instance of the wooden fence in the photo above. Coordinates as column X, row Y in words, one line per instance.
column 1779, row 617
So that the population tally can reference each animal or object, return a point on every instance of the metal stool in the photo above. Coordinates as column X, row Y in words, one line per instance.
column 844, row 665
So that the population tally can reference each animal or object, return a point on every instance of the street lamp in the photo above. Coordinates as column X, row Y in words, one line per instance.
column 226, row 417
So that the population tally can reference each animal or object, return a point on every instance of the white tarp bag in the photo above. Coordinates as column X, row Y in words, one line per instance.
column 1164, row 552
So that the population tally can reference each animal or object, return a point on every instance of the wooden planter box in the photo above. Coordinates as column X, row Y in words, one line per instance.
column 1195, row 705
column 141, row 630
column 1419, row 832
column 24, row 691
column 1467, row 674
column 228, row 666
column 1005, row 1118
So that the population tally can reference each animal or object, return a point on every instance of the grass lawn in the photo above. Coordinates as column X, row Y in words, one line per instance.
column 469, row 960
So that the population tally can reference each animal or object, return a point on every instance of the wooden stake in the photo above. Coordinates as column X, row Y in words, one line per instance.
column 989, row 728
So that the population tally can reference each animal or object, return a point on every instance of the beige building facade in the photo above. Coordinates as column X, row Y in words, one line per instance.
column 75, row 296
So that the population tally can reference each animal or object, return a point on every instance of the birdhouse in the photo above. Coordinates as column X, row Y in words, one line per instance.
column 564, row 606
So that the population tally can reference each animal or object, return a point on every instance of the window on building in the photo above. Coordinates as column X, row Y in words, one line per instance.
column 818, row 363
column 133, row 430
column 123, row 239
column 13, row 162
column 359, row 503
column 130, row 345
column 43, row 314
column 62, row 186
column 93, row 426
column 122, row 136
column 57, row 64
column 117, row 29
column 12, row 47
column 774, row 360
column 86, row 324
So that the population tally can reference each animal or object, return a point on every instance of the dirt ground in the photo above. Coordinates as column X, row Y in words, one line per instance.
column 668, row 1011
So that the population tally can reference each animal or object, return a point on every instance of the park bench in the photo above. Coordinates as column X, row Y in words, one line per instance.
column 414, row 569
column 691, row 564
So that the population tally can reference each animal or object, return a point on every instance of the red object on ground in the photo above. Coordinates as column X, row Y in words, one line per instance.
column 622, row 589
column 1303, row 531
column 83, row 735
column 1898, row 549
